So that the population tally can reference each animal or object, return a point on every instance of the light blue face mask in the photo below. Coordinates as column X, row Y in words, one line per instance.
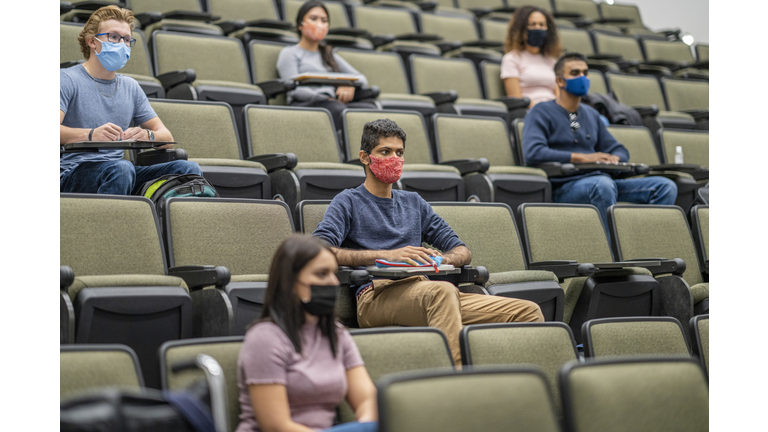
column 113, row 56
column 578, row 86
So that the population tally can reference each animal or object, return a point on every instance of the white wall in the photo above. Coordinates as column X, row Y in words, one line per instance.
column 690, row 16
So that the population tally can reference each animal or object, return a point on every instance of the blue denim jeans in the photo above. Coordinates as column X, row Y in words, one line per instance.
column 355, row 427
column 602, row 192
column 120, row 177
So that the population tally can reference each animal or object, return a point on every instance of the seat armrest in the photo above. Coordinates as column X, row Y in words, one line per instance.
column 655, row 70
column 564, row 269
column 272, row 24
column 276, row 161
column 484, row 44
column 467, row 166
column 148, row 18
column 474, row 275
column 157, row 156
column 567, row 15
column 67, row 277
column 231, row 26
column 513, row 103
column 675, row 266
column 427, row 6
column 379, row 40
column 351, row 276
column 448, row 46
column 582, row 22
column 697, row 114
column 647, row 111
column 613, row 21
column 418, row 37
column 557, row 169
column 349, row 31
column 697, row 172
column 198, row 277
column 191, row 16
column 609, row 57
column 672, row 66
column 704, row 64
column 171, row 79
column 443, row 97
column 272, row 88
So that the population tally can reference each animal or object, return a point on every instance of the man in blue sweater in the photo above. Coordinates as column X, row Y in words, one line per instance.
column 565, row 130
column 373, row 221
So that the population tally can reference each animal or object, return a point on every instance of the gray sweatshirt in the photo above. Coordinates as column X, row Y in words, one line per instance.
column 295, row 60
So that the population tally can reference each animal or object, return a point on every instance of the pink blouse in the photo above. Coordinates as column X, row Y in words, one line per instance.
column 535, row 72
column 315, row 380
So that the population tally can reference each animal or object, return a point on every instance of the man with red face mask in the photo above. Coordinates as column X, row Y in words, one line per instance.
column 374, row 221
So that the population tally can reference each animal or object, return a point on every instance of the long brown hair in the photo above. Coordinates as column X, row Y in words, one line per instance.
column 518, row 26
column 326, row 51
column 281, row 303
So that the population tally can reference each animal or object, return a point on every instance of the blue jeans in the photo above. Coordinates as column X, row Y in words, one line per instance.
column 355, row 427
column 120, row 177
column 602, row 192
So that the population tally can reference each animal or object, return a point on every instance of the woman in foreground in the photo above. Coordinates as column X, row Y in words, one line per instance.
column 297, row 363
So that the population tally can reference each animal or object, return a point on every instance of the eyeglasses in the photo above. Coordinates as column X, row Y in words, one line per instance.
column 116, row 38
column 574, row 123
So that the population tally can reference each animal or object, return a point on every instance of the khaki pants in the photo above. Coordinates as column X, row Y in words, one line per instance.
column 417, row 301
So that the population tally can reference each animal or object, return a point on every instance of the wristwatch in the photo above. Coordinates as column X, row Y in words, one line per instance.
column 151, row 134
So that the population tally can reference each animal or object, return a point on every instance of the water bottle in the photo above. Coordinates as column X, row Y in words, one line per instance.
column 679, row 155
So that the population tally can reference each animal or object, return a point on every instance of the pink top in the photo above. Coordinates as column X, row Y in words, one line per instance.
column 535, row 72
column 315, row 381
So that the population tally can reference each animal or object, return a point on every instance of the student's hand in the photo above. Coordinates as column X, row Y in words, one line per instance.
column 136, row 133
column 415, row 255
column 594, row 157
column 345, row 94
column 107, row 132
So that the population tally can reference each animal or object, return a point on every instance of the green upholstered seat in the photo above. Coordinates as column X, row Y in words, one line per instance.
column 634, row 336
column 686, row 94
column 548, row 346
column 695, row 146
column 505, row 399
column 625, row 11
column 207, row 132
column 183, row 25
column 702, row 52
column 436, row 74
column 388, row 350
column 85, row 368
column 635, row 395
column 470, row 137
column 645, row 90
column 112, row 243
column 674, row 52
column 263, row 56
column 643, row 231
column 456, row 28
column 308, row 133
column 225, row 350
column 575, row 232
column 642, row 149
column 624, row 46
column 699, row 326
column 490, row 233
column 247, row 235
column 493, row 29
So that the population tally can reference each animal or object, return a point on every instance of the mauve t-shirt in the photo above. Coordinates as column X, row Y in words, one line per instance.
column 315, row 381
column 535, row 72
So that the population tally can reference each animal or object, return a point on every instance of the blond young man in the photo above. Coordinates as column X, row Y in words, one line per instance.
column 97, row 104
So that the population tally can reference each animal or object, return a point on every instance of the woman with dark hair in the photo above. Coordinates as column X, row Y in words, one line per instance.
column 312, row 54
column 297, row 363
column 532, row 47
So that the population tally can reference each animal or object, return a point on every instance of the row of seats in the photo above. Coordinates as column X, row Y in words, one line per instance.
column 547, row 348
column 121, row 243
column 221, row 69
column 443, row 159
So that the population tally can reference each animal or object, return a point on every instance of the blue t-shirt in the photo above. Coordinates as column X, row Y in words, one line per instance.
column 548, row 137
column 357, row 219
column 86, row 107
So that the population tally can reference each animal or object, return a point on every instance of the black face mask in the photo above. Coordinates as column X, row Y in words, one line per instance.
column 536, row 37
column 323, row 300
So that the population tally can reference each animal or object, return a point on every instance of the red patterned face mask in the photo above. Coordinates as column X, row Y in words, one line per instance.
column 314, row 31
column 388, row 169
